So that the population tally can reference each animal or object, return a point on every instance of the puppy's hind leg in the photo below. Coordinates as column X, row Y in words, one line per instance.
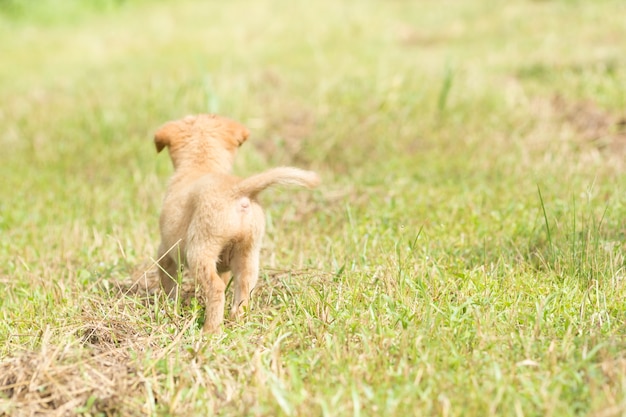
column 245, row 267
column 204, row 268
column 214, row 288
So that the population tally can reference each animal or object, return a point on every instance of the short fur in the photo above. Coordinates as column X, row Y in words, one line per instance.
column 211, row 220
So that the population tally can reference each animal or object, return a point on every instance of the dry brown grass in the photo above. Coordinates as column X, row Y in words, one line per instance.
column 60, row 380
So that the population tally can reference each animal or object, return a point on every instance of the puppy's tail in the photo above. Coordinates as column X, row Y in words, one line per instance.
column 253, row 185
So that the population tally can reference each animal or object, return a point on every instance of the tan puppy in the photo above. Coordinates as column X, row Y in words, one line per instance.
column 211, row 220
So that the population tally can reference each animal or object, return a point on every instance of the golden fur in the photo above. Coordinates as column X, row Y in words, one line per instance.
column 211, row 220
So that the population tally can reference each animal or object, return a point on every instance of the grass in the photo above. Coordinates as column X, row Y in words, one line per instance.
column 464, row 256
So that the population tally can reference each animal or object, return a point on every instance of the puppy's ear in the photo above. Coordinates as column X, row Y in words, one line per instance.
column 244, row 135
column 239, row 132
column 170, row 131
column 160, row 143
column 163, row 136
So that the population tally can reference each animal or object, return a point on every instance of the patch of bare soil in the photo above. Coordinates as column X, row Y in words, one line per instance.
column 286, row 122
column 410, row 36
column 287, row 131
column 595, row 126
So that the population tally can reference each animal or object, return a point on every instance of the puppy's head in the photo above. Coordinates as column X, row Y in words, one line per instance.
column 201, row 141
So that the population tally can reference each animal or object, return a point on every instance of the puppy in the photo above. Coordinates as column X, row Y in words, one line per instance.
column 211, row 220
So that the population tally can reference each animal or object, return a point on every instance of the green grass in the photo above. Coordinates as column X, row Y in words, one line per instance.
column 464, row 256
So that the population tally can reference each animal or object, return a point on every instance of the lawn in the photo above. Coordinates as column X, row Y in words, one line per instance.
column 464, row 255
